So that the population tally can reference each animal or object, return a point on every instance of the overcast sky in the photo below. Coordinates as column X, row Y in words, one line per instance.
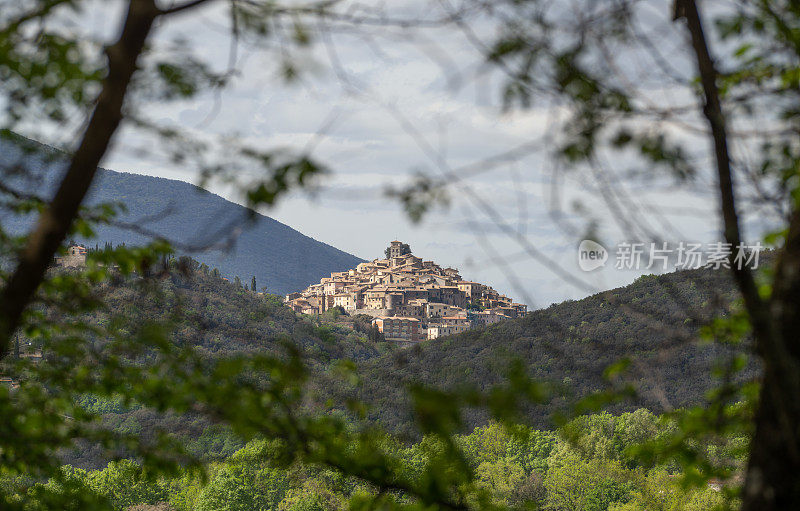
column 380, row 106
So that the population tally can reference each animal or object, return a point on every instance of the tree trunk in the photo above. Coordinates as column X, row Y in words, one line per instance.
column 773, row 471
column 55, row 222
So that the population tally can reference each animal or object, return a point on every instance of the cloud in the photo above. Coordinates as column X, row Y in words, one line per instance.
column 369, row 147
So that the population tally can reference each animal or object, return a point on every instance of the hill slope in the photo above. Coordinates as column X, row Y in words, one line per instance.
column 570, row 344
column 220, row 320
column 281, row 258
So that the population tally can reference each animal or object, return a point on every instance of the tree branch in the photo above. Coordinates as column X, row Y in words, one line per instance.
column 182, row 7
column 40, row 12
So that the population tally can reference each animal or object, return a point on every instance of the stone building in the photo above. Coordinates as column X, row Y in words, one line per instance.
column 397, row 249
column 399, row 328
column 74, row 258
column 488, row 317
column 472, row 290
column 437, row 310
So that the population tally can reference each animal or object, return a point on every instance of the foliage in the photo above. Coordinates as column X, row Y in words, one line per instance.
column 512, row 468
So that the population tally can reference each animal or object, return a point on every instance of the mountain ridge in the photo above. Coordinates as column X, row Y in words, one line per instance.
column 281, row 258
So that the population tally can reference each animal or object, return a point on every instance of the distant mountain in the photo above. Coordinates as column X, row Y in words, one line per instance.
column 281, row 258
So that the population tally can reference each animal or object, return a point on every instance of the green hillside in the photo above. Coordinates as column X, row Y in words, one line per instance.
column 220, row 319
column 587, row 461
column 569, row 344
column 654, row 322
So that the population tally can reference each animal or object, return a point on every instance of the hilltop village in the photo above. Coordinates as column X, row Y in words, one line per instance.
column 409, row 299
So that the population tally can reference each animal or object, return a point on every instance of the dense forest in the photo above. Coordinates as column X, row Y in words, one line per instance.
column 562, row 459
column 589, row 464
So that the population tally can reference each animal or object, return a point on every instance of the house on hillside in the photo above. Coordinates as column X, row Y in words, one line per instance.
column 437, row 310
column 472, row 290
column 348, row 301
column 414, row 308
column 488, row 317
column 9, row 383
column 74, row 258
column 399, row 328
column 436, row 330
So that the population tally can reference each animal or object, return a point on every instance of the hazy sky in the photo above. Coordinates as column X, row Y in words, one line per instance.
column 379, row 106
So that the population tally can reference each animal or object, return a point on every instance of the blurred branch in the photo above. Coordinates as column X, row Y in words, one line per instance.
column 716, row 120
column 23, row 18
column 182, row 7
column 774, row 448
column 4, row 188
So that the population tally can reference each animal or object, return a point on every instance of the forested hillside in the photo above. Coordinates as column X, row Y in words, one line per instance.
column 219, row 319
column 570, row 344
column 282, row 259
column 654, row 323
